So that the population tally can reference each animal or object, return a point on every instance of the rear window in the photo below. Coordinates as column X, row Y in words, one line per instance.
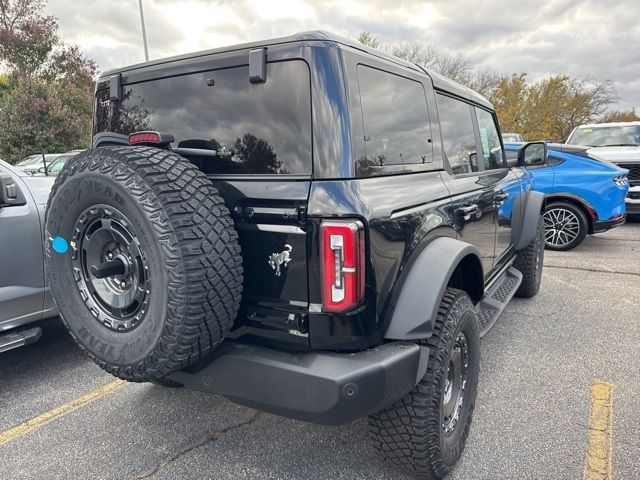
column 257, row 128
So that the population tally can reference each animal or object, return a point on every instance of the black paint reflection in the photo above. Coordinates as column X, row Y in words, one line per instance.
column 261, row 128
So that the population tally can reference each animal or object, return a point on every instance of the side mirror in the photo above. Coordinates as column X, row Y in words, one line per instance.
column 10, row 193
column 41, row 170
column 532, row 154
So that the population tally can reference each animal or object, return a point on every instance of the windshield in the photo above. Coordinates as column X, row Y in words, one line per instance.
column 511, row 138
column 58, row 163
column 30, row 160
column 606, row 136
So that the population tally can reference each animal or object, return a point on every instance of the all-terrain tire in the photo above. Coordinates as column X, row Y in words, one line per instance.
column 530, row 262
column 411, row 433
column 188, row 272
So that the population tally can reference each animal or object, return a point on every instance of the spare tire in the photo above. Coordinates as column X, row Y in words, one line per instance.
column 143, row 260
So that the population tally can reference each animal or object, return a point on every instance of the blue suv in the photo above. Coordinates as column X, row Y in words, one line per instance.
column 585, row 194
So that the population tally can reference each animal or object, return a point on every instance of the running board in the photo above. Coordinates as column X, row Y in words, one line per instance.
column 497, row 298
column 20, row 338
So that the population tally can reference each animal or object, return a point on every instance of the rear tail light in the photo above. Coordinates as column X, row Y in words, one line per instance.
column 621, row 180
column 343, row 270
column 150, row 138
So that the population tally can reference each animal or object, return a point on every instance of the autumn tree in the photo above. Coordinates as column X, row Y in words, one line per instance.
column 510, row 98
column 47, row 93
column 620, row 116
column 558, row 104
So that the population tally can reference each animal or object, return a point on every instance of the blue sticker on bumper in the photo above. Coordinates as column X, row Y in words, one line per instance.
column 59, row 245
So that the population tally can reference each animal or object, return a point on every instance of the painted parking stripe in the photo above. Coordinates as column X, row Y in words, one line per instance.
column 35, row 422
column 598, row 465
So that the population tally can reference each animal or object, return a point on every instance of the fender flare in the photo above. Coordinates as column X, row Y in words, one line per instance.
column 525, row 219
column 422, row 285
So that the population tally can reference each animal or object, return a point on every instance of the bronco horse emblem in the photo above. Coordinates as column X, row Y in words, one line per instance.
column 276, row 260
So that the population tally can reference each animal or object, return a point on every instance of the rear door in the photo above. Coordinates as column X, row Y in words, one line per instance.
column 472, row 190
column 505, row 182
column 253, row 140
column 21, row 261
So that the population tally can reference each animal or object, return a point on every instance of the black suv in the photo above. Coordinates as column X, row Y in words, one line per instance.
column 305, row 225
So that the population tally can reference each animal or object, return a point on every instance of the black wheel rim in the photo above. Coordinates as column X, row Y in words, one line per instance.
column 456, row 381
column 561, row 227
column 110, row 268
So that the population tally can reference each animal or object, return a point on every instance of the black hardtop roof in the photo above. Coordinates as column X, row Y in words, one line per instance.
column 439, row 82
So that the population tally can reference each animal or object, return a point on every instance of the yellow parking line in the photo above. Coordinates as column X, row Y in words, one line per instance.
column 25, row 427
column 597, row 465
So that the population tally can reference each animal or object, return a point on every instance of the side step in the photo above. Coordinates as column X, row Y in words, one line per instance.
column 497, row 298
column 20, row 338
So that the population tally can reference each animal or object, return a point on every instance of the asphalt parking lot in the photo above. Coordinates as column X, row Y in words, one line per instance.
column 532, row 415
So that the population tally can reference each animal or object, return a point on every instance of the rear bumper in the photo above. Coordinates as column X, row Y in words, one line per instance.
column 319, row 387
column 604, row 225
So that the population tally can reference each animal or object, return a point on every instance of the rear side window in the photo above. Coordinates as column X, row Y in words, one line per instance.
column 489, row 140
column 458, row 136
column 396, row 119
column 258, row 128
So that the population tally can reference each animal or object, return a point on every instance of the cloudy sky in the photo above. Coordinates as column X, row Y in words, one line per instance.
column 575, row 37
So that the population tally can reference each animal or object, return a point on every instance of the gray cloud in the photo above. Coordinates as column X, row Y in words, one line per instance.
column 588, row 38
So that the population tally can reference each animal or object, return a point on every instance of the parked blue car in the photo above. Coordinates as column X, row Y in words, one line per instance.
column 585, row 194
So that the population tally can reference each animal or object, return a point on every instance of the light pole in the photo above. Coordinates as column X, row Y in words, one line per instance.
column 144, row 33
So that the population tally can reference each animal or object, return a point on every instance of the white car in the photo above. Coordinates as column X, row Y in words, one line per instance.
column 618, row 143
column 33, row 163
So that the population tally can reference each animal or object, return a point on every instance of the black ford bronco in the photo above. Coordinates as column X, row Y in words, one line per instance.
column 304, row 225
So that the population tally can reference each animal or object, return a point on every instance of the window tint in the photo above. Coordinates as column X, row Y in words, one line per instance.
column 458, row 136
column 396, row 119
column 489, row 140
column 256, row 128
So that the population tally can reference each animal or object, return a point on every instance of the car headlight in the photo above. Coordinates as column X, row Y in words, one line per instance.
column 621, row 180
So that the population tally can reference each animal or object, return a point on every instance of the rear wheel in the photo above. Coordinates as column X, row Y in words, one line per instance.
column 143, row 260
column 425, row 432
column 565, row 226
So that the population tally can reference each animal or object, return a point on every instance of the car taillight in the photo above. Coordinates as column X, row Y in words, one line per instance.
column 144, row 137
column 343, row 270
column 621, row 180
column 151, row 138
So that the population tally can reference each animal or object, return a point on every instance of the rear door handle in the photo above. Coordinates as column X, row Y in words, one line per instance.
column 467, row 211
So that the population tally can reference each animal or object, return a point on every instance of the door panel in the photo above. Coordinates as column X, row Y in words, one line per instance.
column 508, row 188
column 269, row 216
column 473, row 210
column 21, row 262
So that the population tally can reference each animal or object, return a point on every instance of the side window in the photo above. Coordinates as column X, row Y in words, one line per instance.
column 396, row 119
column 489, row 140
column 554, row 161
column 458, row 137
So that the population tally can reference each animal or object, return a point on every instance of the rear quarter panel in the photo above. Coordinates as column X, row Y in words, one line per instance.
column 400, row 213
column 589, row 180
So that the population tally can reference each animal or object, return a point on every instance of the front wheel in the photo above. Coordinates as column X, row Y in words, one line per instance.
column 565, row 226
column 425, row 432
column 529, row 262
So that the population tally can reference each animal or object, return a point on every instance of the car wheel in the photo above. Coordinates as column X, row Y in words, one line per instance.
column 565, row 226
column 143, row 260
column 425, row 432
